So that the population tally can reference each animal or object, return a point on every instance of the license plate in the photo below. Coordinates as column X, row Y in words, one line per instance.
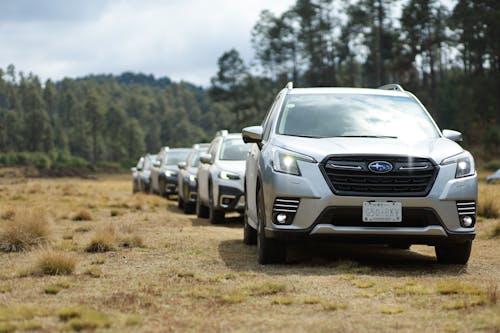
column 374, row 211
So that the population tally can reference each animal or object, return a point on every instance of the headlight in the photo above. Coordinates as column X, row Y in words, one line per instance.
column 169, row 173
column 192, row 178
column 465, row 164
column 286, row 161
column 228, row 175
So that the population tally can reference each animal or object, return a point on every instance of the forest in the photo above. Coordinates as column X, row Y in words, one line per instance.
column 447, row 55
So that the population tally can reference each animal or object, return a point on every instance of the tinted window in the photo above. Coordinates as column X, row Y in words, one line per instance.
column 234, row 150
column 352, row 115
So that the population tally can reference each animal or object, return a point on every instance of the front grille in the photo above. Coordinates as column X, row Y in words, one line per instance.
column 466, row 208
column 350, row 176
column 413, row 217
column 286, row 205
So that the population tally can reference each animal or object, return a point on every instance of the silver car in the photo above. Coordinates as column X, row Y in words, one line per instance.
column 187, row 183
column 357, row 165
column 164, row 171
column 220, row 177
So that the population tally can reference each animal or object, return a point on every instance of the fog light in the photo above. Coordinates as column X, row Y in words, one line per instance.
column 281, row 218
column 467, row 221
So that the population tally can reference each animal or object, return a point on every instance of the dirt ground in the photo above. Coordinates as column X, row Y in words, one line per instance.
column 183, row 274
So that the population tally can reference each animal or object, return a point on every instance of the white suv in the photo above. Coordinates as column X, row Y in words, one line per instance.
column 220, row 177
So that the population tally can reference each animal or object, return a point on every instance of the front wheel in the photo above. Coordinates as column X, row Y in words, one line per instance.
column 457, row 253
column 269, row 250
column 201, row 210
column 249, row 233
column 215, row 215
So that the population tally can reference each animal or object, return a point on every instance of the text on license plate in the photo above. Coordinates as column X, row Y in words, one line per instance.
column 375, row 211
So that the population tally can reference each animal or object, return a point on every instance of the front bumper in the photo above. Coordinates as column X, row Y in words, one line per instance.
column 230, row 195
column 321, row 213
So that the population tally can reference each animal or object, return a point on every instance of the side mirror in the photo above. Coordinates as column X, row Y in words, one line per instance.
column 134, row 169
column 252, row 134
column 182, row 165
column 206, row 158
column 156, row 163
column 452, row 135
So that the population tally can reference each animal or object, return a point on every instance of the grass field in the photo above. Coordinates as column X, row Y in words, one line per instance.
column 95, row 257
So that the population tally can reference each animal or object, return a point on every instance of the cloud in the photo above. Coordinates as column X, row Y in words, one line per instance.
column 179, row 39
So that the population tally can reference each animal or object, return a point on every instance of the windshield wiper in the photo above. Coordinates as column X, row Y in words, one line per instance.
column 367, row 136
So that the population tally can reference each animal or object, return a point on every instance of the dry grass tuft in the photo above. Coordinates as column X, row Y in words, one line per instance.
column 312, row 300
column 130, row 241
column 390, row 310
column 7, row 328
column 363, row 284
column 332, row 306
column 8, row 214
column 282, row 300
column 447, row 287
column 267, row 288
column 495, row 231
column 232, row 298
column 52, row 262
column 103, row 240
column 94, row 272
column 82, row 318
column 28, row 228
column 82, row 215
column 488, row 205
column 492, row 294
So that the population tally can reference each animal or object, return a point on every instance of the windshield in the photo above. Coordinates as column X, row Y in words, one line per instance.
column 234, row 150
column 354, row 115
column 173, row 157
column 194, row 159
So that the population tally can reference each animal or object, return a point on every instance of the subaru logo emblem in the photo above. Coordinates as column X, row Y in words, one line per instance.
column 380, row 167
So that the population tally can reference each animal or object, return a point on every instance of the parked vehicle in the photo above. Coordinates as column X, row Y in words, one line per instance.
column 145, row 173
column 164, row 171
column 187, row 183
column 494, row 177
column 357, row 165
column 220, row 177
column 136, row 175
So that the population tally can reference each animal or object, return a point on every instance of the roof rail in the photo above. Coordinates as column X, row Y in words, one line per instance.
column 392, row 86
column 289, row 85
column 222, row 133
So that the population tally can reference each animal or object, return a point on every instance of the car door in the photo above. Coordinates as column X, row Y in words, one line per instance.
column 155, row 173
column 204, row 172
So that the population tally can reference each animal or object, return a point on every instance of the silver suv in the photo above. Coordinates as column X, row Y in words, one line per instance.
column 220, row 177
column 357, row 165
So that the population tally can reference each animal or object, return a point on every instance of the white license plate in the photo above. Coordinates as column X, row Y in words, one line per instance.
column 375, row 211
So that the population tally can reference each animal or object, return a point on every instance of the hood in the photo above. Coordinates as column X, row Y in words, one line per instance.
column 233, row 166
column 436, row 149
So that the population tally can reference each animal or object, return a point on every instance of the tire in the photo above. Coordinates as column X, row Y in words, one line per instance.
column 249, row 233
column 215, row 215
column 189, row 208
column 269, row 250
column 162, row 189
column 201, row 210
column 180, row 202
column 457, row 253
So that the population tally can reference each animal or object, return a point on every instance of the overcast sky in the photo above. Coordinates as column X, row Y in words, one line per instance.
column 181, row 39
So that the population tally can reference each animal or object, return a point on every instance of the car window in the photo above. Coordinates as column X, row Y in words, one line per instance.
column 234, row 149
column 354, row 115
column 269, row 119
column 195, row 159
column 173, row 157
